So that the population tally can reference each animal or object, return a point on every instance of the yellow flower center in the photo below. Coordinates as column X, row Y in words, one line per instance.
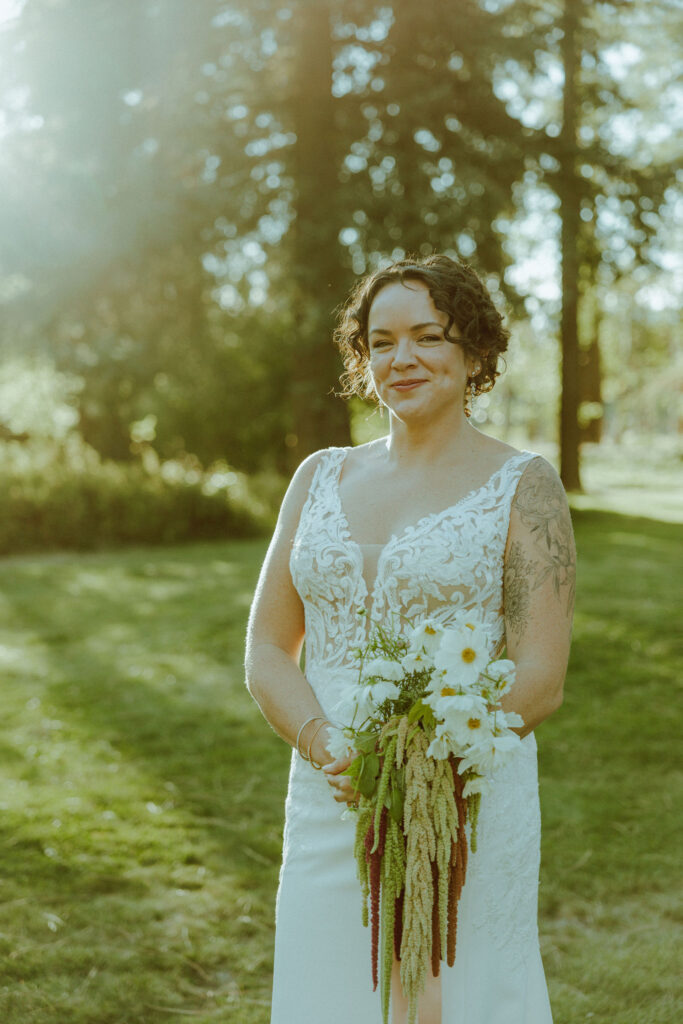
column 468, row 655
column 430, row 631
column 447, row 691
column 474, row 723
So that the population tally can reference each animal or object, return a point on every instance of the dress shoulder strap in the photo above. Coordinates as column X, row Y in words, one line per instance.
column 513, row 470
column 322, row 487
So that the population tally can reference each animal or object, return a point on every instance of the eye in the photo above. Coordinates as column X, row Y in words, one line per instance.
column 430, row 338
column 380, row 343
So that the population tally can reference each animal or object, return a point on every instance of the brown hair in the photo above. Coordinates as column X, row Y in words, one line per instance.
column 455, row 289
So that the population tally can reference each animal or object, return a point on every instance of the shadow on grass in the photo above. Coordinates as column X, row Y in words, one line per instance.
column 140, row 653
column 175, row 612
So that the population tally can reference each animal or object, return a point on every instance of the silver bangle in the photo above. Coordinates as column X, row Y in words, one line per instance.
column 313, row 718
column 310, row 744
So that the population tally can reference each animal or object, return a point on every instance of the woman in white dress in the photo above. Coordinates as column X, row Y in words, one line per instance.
column 436, row 519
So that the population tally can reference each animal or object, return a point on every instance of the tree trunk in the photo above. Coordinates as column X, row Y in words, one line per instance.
column 570, row 200
column 319, row 418
column 591, row 410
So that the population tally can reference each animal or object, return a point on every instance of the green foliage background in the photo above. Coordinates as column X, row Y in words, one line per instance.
column 190, row 190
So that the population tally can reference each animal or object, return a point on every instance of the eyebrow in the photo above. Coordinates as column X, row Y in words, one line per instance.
column 415, row 327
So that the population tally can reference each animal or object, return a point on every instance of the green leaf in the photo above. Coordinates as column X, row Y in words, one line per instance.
column 355, row 768
column 365, row 742
column 428, row 718
column 369, row 776
column 396, row 803
column 417, row 710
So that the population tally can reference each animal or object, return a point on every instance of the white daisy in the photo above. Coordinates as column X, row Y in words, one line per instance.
column 383, row 690
column 469, row 727
column 462, row 654
column 444, row 701
column 491, row 754
column 425, row 637
column 383, row 668
column 512, row 719
column 337, row 742
column 476, row 784
column 416, row 661
column 503, row 673
column 441, row 746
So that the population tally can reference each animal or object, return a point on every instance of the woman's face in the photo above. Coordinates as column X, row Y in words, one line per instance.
column 417, row 373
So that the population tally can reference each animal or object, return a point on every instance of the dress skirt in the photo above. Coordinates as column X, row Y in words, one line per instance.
column 322, row 967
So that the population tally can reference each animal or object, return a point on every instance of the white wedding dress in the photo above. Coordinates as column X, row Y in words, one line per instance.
column 447, row 562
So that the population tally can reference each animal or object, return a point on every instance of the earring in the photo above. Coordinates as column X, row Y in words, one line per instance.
column 469, row 398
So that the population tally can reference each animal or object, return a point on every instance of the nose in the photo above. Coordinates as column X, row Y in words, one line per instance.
column 404, row 353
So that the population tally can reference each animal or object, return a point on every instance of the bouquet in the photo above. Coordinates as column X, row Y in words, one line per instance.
column 428, row 732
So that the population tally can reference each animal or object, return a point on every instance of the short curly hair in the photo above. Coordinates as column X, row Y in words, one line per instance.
column 455, row 289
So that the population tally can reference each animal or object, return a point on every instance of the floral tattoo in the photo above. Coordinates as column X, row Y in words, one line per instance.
column 541, row 504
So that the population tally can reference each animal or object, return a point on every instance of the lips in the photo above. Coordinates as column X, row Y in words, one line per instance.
column 407, row 385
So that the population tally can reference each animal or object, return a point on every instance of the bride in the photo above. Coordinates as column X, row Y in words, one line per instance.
column 433, row 520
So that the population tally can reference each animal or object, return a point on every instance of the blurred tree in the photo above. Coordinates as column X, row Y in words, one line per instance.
column 318, row 281
column 528, row 97
column 610, row 180
column 211, row 176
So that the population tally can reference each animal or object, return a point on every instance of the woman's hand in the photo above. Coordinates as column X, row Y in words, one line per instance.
column 341, row 785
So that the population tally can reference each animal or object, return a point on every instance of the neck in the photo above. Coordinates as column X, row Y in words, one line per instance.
column 433, row 440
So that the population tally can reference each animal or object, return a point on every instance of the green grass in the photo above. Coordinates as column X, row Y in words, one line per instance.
column 142, row 793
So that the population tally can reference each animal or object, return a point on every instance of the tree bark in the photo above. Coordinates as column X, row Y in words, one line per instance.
column 570, row 199
column 319, row 418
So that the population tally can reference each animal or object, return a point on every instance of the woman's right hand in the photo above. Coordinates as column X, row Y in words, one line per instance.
column 341, row 785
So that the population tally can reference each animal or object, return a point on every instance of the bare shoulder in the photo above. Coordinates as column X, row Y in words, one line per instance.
column 490, row 453
column 362, row 459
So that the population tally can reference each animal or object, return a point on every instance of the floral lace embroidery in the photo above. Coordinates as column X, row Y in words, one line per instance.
column 446, row 563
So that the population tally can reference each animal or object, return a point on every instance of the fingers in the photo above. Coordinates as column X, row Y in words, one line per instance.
column 334, row 767
column 342, row 787
column 342, row 790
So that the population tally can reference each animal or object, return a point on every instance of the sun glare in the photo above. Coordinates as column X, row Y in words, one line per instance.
column 10, row 9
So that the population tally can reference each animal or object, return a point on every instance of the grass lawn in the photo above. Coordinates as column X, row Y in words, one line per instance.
column 142, row 793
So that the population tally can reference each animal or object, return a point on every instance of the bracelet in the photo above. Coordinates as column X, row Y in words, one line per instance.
column 315, row 733
column 313, row 718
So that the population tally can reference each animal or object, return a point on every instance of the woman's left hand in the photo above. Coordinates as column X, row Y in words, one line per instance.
column 341, row 785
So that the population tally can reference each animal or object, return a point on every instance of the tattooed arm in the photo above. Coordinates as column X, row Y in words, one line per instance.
column 538, row 588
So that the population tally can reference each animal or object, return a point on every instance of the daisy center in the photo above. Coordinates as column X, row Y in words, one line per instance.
column 468, row 655
column 474, row 723
column 447, row 691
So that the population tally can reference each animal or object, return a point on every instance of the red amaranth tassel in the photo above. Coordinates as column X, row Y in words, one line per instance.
column 375, row 862
column 452, row 905
column 436, row 931
column 398, row 925
column 458, row 865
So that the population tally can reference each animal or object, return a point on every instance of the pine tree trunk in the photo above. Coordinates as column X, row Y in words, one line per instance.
column 319, row 418
column 570, row 200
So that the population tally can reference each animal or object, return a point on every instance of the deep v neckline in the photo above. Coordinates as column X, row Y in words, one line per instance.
column 409, row 530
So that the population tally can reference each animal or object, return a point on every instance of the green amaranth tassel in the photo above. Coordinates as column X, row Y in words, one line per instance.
column 383, row 788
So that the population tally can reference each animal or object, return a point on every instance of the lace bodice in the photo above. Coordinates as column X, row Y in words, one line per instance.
column 446, row 563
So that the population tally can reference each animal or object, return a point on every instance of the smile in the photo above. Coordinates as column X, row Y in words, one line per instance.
column 407, row 385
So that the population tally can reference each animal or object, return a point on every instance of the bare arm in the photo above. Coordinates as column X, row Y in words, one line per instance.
column 276, row 631
column 539, row 582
